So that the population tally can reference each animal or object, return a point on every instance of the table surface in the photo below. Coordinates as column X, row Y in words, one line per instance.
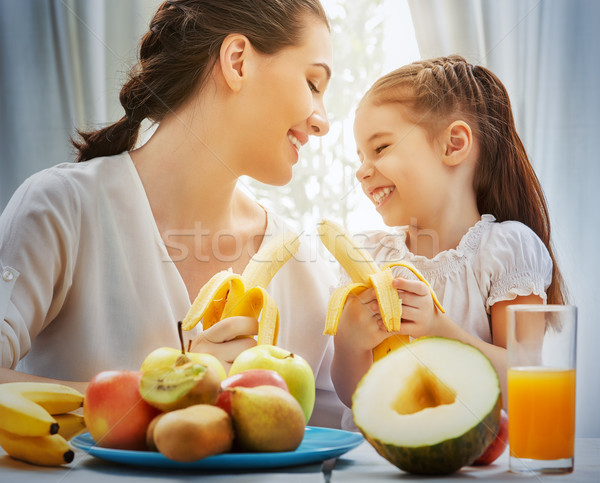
column 362, row 464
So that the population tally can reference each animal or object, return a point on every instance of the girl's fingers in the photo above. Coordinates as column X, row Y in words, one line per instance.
column 410, row 300
column 406, row 328
column 380, row 324
column 374, row 308
column 413, row 286
column 367, row 296
column 408, row 314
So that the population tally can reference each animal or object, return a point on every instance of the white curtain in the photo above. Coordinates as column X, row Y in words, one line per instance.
column 546, row 53
column 62, row 63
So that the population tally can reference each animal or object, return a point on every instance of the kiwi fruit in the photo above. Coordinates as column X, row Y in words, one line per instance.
column 180, row 386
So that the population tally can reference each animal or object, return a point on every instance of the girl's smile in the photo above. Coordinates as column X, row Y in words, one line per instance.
column 381, row 195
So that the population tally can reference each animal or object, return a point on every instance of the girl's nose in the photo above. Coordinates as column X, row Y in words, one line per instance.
column 365, row 171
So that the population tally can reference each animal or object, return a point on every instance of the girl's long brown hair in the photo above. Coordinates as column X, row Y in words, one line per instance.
column 178, row 52
column 436, row 92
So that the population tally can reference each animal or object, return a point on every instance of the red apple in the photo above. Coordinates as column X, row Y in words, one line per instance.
column 248, row 378
column 497, row 446
column 114, row 411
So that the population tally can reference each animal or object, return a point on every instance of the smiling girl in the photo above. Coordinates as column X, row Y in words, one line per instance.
column 443, row 164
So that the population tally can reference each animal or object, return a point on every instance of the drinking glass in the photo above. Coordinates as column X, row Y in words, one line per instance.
column 541, row 344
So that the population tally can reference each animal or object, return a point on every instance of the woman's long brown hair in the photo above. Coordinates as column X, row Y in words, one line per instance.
column 436, row 92
column 178, row 52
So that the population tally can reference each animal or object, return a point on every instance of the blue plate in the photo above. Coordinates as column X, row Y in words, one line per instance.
column 318, row 445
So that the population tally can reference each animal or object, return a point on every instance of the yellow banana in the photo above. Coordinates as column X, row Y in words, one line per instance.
column 70, row 424
column 50, row 450
column 26, row 407
column 365, row 273
column 54, row 398
column 229, row 294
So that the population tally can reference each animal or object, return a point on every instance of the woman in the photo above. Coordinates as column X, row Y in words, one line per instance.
column 100, row 258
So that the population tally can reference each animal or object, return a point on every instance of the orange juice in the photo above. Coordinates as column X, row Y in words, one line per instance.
column 541, row 413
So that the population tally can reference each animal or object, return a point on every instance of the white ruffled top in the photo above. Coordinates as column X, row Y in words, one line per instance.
column 493, row 262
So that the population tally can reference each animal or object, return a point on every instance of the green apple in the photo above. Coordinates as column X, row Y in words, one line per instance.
column 166, row 357
column 294, row 369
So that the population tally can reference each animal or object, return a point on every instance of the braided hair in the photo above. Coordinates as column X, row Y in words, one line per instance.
column 436, row 92
column 180, row 49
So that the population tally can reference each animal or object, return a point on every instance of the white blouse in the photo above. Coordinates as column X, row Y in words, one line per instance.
column 86, row 283
column 493, row 262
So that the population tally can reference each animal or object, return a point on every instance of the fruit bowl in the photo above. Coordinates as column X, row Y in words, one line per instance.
column 318, row 445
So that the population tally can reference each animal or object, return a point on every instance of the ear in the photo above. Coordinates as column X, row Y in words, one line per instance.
column 457, row 143
column 232, row 57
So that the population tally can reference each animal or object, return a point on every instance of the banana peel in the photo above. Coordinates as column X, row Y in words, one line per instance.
column 366, row 273
column 228, row 294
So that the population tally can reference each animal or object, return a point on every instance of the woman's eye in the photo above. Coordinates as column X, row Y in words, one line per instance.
column 378, row 149
column 313, row 87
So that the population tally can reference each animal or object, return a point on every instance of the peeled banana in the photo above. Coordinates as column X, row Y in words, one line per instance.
column 31, row 415
column 229, row 294
column 365, row 273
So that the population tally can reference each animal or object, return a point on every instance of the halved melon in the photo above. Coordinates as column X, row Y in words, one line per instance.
column 430, row 407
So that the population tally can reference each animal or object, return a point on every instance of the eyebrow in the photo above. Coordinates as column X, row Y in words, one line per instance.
column 378, row 135
column 326, row 67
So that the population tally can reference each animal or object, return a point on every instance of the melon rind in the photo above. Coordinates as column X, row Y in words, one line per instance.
column 447, row 455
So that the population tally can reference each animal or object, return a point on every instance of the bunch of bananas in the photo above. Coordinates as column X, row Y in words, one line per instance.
column 36, row 421
column 228, row 294
column 365, row 273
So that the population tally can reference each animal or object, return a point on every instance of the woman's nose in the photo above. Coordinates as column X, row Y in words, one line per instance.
column 318, row 122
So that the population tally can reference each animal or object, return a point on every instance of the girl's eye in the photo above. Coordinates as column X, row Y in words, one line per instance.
column 313, row 87
column 378, row 149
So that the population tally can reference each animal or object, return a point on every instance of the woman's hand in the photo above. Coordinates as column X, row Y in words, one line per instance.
column 420, row 317
column 227, row 338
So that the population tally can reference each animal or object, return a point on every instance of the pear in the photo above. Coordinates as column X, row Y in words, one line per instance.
column 150, row 445
column 266, row 418
column 193, row 433
column 180, row 385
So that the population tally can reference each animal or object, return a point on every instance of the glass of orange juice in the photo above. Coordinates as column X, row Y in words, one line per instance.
column 541, row 344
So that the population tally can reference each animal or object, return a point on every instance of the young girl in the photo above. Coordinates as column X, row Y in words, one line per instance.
column 100, row 258
column 442, row 162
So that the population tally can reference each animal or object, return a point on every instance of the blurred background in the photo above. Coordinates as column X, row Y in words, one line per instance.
column 62, row 63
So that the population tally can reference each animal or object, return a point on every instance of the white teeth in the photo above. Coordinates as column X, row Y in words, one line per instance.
column 382, row 193
column 294, row 140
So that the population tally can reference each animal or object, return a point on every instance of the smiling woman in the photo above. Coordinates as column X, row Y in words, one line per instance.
column 106, row 254
column 370, row 38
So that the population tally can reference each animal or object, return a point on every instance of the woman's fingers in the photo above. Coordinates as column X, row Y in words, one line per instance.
column 230, row 328
column 228, row 351
column 226, row 339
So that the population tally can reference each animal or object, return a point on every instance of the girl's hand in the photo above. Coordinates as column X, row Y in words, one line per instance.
column 419, row 314
column 360, row 328
column 227, row 338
